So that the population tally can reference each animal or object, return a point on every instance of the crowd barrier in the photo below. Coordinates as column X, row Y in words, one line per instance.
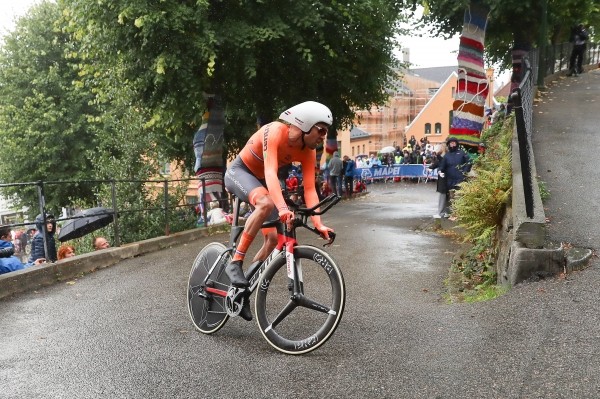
column 419, row 171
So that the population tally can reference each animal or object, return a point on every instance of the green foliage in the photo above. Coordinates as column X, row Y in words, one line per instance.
column 479, row 208
column 259, row 57
column 512, row 22
column 481, row 199
column 44, row 127
column 544, row 193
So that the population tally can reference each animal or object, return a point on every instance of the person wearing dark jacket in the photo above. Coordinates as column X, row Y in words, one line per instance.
column 579, row 38
column 9, row 262
column 454, row 166
column 349, row 175
column 440, row 185
column 37, row 243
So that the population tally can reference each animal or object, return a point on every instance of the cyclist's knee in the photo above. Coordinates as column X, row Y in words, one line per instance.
column 264, row 205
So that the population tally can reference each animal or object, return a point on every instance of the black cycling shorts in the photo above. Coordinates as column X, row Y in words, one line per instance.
column 240, row 181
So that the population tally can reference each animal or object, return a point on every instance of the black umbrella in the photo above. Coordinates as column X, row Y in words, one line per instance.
column 85, row 222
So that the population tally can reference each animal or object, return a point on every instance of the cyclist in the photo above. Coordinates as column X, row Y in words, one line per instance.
column 252, row 177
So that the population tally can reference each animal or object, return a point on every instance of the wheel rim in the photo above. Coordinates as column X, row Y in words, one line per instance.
column 303, row 329
column 207, row 313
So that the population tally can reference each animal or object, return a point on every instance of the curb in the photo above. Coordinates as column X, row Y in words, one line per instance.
column 577, row 259
column 36, row 277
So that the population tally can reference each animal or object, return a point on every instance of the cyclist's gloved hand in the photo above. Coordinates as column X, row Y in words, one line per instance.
column 324, row 230
column 285, row 215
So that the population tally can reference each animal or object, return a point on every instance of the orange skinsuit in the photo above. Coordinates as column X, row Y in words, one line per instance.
column 267, row 150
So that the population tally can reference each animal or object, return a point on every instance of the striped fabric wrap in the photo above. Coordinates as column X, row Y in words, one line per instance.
column 461, row 105
column 472, row 86
column 330, row 147
column 468, row 116
column 208, row 149
column 319, row 151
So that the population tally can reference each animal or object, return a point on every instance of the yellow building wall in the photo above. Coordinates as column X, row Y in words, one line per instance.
column 438, row 110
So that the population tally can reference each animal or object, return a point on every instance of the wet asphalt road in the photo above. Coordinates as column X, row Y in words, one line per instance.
column 124, row 332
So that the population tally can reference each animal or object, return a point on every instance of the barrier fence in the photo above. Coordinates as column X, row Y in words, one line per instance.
column 419, row 171
column 172, row 192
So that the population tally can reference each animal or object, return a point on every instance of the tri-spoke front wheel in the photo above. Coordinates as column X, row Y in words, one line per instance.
column 297, row 321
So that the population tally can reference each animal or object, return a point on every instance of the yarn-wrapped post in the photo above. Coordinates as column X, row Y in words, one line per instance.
column 472, row 85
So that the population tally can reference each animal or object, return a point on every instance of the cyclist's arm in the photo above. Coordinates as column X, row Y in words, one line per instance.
column 270, row 156
column 310, row 193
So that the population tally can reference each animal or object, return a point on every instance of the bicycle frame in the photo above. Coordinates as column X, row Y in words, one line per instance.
column 286, row 241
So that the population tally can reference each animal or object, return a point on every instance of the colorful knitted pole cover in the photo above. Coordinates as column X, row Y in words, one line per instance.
column 519, row 51
column 472, row 85
column 208, row 149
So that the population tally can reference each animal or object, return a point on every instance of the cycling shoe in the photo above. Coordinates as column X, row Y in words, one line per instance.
column 236, row 275
column 245, row 313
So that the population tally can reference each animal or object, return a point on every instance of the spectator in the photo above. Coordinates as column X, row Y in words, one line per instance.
column 412, row 142
column 9, row 262
column 66, row 251
column 37, row 243
column 335, row 173
column 454, row 166
column 499, row 114
column 349, row 175
column 398, row 159
column 216, row 215
column 325, row 190
column 579, row 38
column 291, row 183
column 440, row 186
column 360, row 186
column 100, row 243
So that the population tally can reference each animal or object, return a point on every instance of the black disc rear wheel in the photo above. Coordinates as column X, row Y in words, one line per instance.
column 207, row 310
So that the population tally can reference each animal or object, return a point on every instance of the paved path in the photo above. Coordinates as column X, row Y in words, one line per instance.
column 123, row 332
column 566, row 142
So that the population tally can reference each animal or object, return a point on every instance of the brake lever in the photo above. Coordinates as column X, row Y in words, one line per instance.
column 316, row 231
column 331, row 239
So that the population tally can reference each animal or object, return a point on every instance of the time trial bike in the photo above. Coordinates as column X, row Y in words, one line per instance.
column 300, row 291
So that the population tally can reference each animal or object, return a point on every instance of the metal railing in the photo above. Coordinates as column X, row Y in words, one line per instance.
column 165, row 188
column 522, row 102
column 557, row 58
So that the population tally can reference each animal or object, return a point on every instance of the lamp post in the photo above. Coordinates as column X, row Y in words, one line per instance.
column 489, row 73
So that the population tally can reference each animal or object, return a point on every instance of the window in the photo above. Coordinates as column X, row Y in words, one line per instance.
column 352, row 151
column 438, row 128
column 363, row 149
column 191, row 200
column 428, row 128
column 165, row 169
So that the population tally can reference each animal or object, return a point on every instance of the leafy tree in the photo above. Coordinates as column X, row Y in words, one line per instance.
column 43, row 117
column 260, row 57
column 512, row 23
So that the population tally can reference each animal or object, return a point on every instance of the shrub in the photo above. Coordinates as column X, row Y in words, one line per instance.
column 479, row 207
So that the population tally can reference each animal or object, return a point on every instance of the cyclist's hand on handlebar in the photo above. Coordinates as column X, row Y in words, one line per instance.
column 324, row 230
column 286, row 216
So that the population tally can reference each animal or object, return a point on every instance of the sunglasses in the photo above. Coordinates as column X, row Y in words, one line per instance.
column 322, row 130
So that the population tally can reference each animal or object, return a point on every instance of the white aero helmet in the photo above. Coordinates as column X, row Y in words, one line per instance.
column 307, row 114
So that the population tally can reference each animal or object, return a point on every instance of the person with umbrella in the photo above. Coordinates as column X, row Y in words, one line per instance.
column 85, row 222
